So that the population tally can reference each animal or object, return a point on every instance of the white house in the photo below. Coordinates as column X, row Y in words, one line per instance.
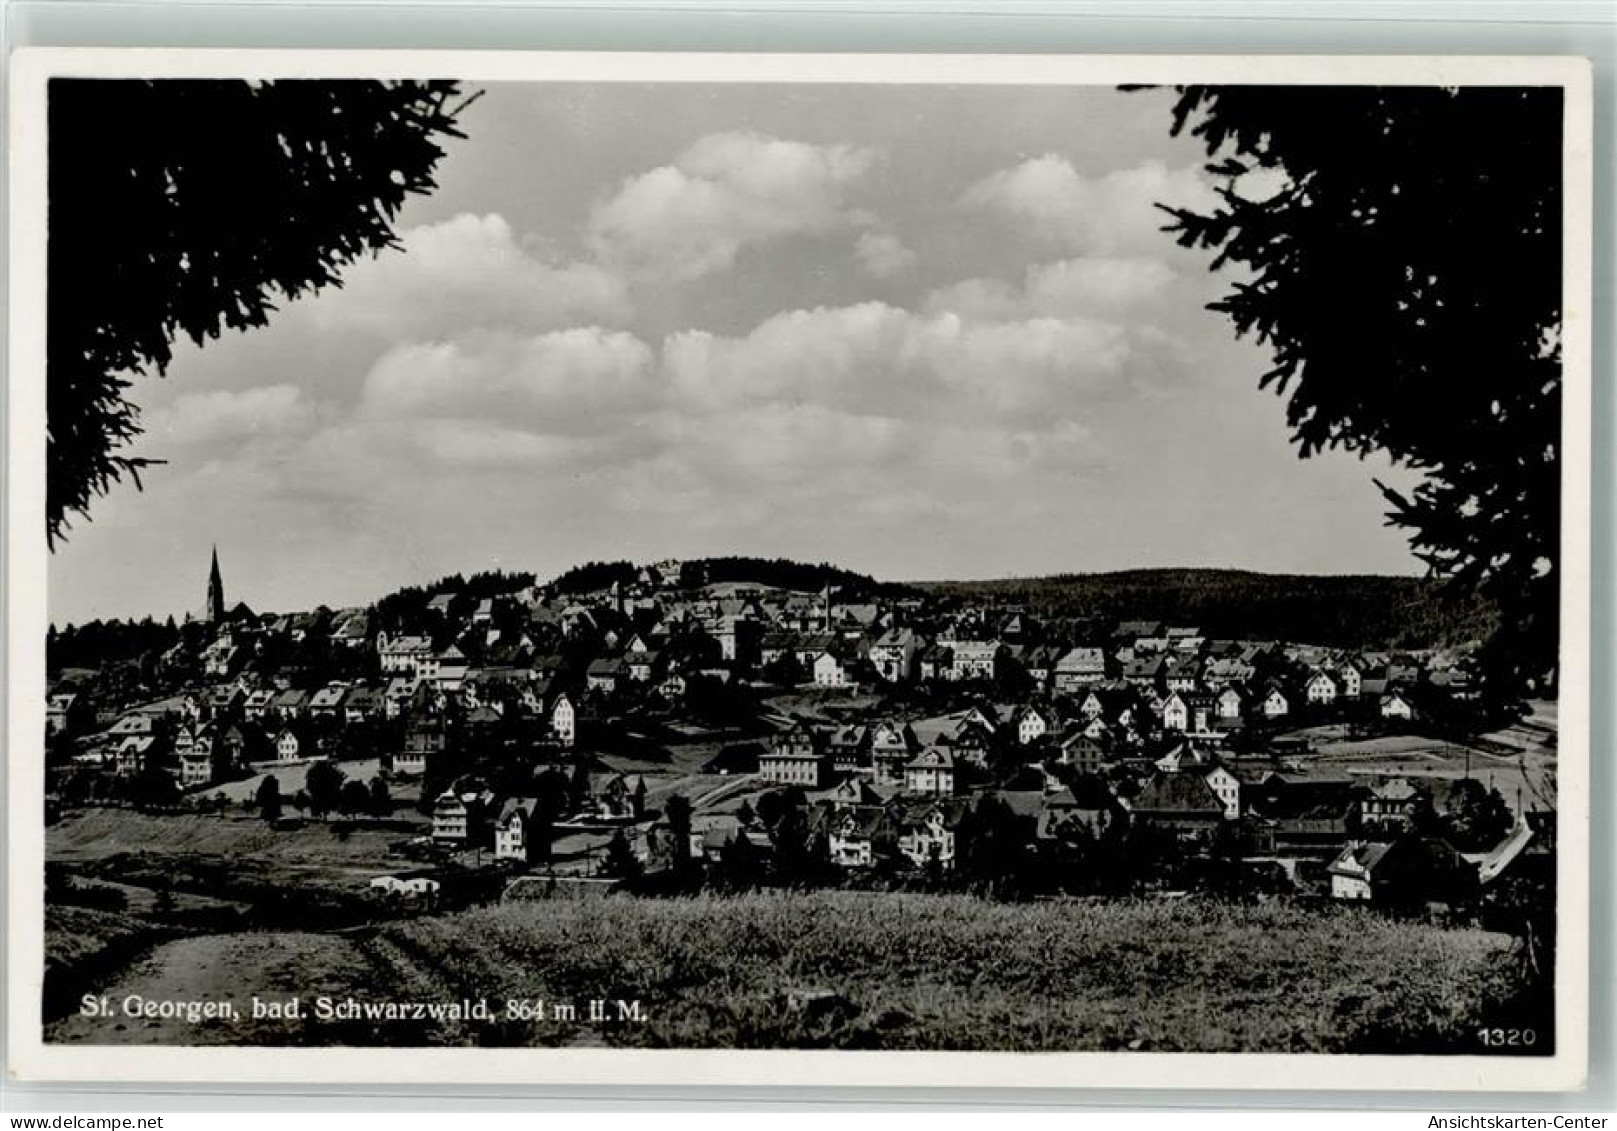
column 1229, row 703
column 1396, row 705
column 930, row 773
column 1228, row 788
column 513, row 832
column 831, row 671
column 1321, row 689
column 1176, row 713
column 1033, row 723
column 1275, row 704
column 292, row 745
column 564, row 720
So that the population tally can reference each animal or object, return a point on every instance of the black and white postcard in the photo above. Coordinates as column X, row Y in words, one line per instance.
column 1042, row 571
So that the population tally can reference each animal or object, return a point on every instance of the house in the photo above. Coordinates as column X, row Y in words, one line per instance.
column 1086, row 808
column 928, row 834
column 196, row 767
column 617, row 797
column 446, row 668
column 1395, row 803
column 407, row 885
column 1224, row 671
column 859, row 836
column 1228, row 789
column 797, row 758
column 64, row 713
column 936, row 662
column 849, row 747
column 975, row 659
column 402, row 654
column 1181, row 673
column 424, row 739
column 1395, row 704
column 135, row 752
column 1229, row 703
column 896, row 654
column 930, row 773
column 1349, row 679
column 1087, row 754
column 517, row 835
column 1079, row 667
column 352, row 630
column 222, row 658
column 1182, row 803
column 832, row 670
column 1274, row 703
column 259, row 704
column 295, row 744
column 643, row 666
column 1176, row 713
column 361, row 705
column 892, row 745
column 564, row 720
column 1033, row 722
column 1143, row 670
column 326, row 703
column 460, row 816
column 1040, row 665
column 398, row 695
column 1321, row 689
column 851, row 791
column 291, row 703
column 1410, row 871
column 604, row 675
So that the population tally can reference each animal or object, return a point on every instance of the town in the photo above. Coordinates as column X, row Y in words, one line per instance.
column 734, row 724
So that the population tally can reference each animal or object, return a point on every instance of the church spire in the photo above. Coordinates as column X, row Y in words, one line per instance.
column 215, row 611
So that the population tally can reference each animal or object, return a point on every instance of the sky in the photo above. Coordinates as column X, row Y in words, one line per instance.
column 923, row 332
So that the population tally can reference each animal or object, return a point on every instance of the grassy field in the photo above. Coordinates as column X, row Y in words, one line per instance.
column 84, row 945
column 851, row 970
column 856, row 970
column 95, row 834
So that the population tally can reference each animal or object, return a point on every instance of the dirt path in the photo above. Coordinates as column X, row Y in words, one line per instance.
column 228, row 968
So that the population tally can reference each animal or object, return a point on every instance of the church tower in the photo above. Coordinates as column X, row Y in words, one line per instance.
column 215, row 611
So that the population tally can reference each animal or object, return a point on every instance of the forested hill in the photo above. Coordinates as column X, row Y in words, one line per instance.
column 1361, row 610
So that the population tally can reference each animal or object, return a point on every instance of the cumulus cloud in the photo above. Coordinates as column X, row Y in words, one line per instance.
column 1106, row 285
column 558, row 382
column 226, row 414
column 726, row 192
column 1114, row 213
column 882, row 254
column 877, row 359
column 468, row 272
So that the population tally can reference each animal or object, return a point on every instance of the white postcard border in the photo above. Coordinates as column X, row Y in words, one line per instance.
column 29, row 1058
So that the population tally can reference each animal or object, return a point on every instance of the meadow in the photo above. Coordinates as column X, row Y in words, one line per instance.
column 858, row 970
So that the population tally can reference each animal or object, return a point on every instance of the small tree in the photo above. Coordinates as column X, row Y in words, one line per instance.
column 621, row 862
column 324, row 784
column 1477, row 818
column 354, row 798
column 677, row 812
column 268, row 798
column 380, row 798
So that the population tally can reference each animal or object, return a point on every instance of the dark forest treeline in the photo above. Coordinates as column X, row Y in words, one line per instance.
column 403, row 605
column 778, row 573
column 783, row 573
column 1347, row 610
